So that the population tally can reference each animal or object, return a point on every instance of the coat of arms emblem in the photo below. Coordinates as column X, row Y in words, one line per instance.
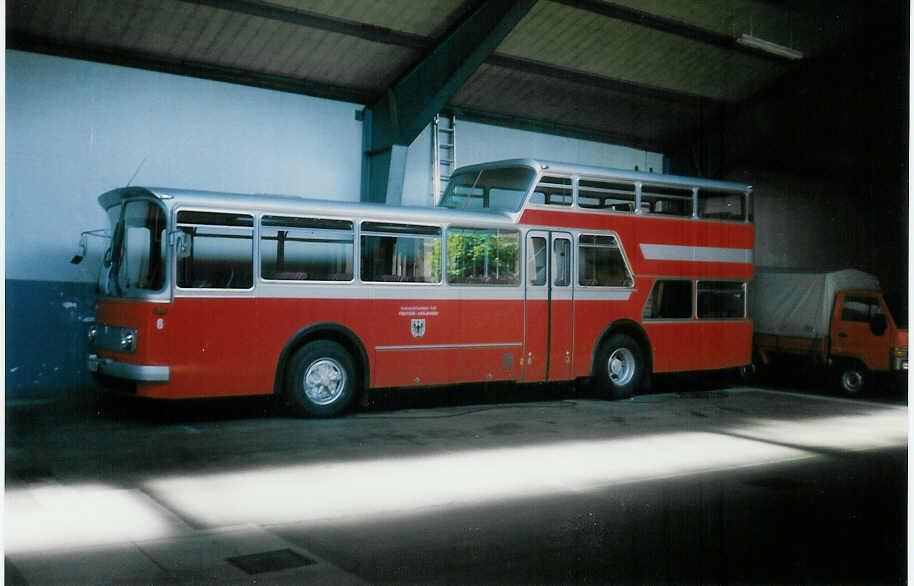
column 418, row 327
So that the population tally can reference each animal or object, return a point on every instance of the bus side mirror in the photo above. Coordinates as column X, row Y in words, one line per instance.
column 81, row 252
column 878, row 324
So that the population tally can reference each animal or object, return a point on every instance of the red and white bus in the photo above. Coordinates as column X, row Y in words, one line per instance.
column 526, row 271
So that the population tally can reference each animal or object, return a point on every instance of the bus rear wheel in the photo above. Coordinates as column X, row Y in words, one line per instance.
column 620, row 367
column 321, row 380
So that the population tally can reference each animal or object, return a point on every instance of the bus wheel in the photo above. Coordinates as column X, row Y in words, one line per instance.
column 851, row 379
column 620, row 367
column 321, row 380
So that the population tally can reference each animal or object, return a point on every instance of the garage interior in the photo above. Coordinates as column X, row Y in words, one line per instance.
column 701, row 480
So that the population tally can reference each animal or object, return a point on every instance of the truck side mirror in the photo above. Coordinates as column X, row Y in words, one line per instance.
column 878, row 324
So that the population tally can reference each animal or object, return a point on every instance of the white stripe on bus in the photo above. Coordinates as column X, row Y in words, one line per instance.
column 695, row 253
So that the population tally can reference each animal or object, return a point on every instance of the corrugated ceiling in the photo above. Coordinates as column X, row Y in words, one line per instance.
column 640, row 72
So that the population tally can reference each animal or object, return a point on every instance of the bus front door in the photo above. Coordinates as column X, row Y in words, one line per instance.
column 549, row 307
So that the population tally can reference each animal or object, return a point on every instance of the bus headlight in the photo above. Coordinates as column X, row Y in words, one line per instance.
column 128, row 341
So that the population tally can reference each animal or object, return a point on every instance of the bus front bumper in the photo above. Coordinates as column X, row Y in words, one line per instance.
column 143, row 373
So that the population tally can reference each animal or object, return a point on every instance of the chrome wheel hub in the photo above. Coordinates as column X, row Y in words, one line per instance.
column 324, row 381
column 621, row 366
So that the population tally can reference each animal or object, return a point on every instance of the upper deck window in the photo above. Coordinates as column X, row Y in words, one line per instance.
column 606, row 195
column 498, row 188
column 672, row 201
column 553, row 191
column 722, row 205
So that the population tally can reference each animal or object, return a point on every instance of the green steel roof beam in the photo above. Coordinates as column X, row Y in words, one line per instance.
column 407, row 107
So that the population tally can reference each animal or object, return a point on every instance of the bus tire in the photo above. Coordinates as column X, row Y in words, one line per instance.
column 851, row 378
column 620, row 367
column 321, row 380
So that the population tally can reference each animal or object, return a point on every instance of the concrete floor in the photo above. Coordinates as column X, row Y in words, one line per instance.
column 503, row 485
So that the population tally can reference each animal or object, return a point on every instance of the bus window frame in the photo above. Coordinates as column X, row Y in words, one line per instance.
column 745, row 316
column 521, row 231
column 165, row 292
column 693, row 290
column 221, row 291
column 291, row 282
column 359, row 221
column 576, row 278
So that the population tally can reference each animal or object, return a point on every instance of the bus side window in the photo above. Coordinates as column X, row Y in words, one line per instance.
column 604, row 195
column 671, row 201
column 600, row 262
column 536, row 266
column 483, row 256
column 220, row 253
column 400, row 253
column 669, row 299
column 305, row 249
column 721, row 205
column 721, row 300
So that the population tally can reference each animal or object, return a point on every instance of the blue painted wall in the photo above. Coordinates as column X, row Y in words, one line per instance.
column 75, row 129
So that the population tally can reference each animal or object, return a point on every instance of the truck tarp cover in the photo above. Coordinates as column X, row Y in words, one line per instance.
column 787, row 302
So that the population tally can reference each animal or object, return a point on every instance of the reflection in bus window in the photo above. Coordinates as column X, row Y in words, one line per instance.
column 721, row 300
column 401, row 253
column 669, row 299
column 482, row 256
column 305, row 249
column 217, row 252
column 601, row 263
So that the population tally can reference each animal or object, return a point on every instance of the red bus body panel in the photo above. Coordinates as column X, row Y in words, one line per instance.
column 231, row 345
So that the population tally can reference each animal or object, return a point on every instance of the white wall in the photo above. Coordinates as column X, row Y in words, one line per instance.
column 76, row 129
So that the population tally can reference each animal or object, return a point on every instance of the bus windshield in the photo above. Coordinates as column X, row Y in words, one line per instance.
column 136, row 260
column 501, row 189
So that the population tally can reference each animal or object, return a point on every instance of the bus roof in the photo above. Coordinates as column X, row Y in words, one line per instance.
column 294, row 205
column 559, row 168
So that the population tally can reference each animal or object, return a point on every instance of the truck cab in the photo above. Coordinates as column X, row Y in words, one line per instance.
column 864, row 337
column 833, row 318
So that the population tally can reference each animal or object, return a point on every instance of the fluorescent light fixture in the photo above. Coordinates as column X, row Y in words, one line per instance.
column 769, row 47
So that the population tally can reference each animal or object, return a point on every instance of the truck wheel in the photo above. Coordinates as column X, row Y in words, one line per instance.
column 620, row 367
column 851, row 379
column 748, row 373
column 321, row 380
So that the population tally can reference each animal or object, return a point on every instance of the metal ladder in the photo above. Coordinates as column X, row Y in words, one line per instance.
column 444, row 152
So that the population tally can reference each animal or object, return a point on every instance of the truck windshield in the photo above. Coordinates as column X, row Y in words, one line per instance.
column 135, row 262
column 501, row 188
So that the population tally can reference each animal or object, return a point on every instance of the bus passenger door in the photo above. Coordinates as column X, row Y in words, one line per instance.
column 561, row 308
column 548, row 307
